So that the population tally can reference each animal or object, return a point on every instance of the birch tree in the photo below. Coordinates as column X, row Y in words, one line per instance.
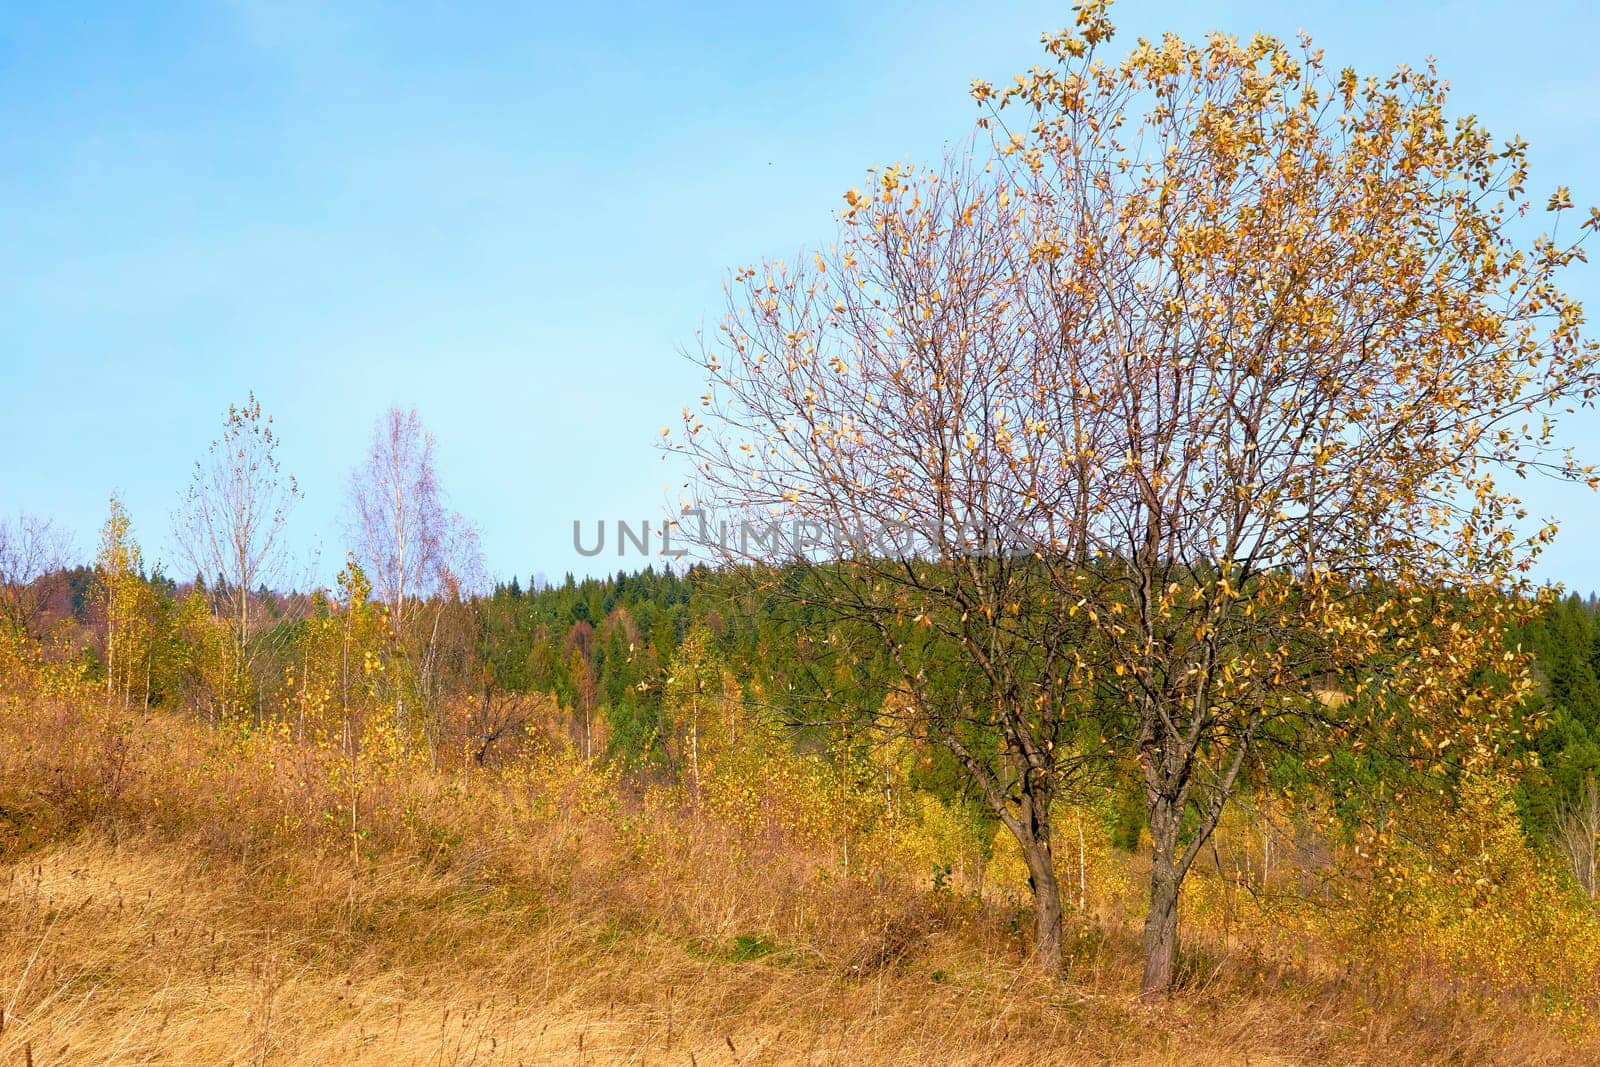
column 419, row 555
column 32, row 550
column 232, row 517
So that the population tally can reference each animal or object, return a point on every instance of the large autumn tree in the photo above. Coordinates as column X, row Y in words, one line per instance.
column 1189, row 404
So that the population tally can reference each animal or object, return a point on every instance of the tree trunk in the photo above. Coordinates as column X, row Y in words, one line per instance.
column 1083, row 867
column 694, row 756
column 1046, row 888
column 1161, row 922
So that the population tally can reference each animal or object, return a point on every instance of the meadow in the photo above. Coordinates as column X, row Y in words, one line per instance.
column 178, row 893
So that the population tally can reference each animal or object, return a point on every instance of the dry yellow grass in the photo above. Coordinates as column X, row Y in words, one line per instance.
column 161, row 902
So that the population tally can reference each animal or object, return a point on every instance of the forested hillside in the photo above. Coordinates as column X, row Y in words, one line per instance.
column 610, row 666
column 628, row 777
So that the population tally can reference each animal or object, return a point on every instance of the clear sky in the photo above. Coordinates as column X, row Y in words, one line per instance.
column 513, row 217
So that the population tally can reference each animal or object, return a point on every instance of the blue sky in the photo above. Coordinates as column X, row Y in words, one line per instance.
column 513, row 218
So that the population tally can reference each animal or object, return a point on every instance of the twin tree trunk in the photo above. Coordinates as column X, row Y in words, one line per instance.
column 1167, row 870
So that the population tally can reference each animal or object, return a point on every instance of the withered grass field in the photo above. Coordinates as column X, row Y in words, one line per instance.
column 170, row 894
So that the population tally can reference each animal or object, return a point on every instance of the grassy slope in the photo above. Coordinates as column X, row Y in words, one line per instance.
column 170, row 897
